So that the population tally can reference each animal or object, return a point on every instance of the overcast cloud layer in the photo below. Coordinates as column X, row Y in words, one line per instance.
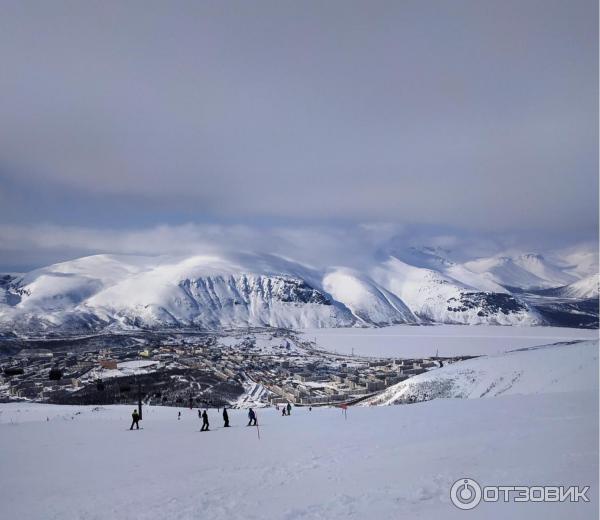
column 124, row 118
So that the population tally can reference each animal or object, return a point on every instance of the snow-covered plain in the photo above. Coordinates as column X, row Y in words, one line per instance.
column 447, row 340
column 382, row 462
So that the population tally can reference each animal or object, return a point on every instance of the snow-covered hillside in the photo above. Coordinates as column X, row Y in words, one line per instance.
column 79, row 462
column 527, row 271
column 238, row 290
column 588, row 287
column 201, row 291
column 563, row 367
column 369, row 302
column 438, row 298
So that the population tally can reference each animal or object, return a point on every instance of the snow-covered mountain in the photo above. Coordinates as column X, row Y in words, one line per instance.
column 438, row 298
column 580, row 261
column 527, row 271
column 238, row 290
column 588, row 287
column 201, row 291
column 368, row 301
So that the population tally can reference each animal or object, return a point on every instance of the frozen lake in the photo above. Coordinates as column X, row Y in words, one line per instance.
column 447, row 340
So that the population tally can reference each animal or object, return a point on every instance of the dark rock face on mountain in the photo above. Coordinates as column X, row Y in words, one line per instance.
column 487, row 303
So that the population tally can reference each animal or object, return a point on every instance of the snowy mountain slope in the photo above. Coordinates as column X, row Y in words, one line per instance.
column 367, row 301
column 588, row 287
column 543, row 269
column 506, row 272
column 480, row 281
column 435, row 297
column 526, row 271
column 437, row 259
column 201, row 291
column 579, row 261
column 237, row 290
column 562, row 367
column 219, row 299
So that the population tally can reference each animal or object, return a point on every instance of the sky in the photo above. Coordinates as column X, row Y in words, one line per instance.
column 151, row 126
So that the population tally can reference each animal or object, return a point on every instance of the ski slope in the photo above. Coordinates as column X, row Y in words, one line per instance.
column 72, row 463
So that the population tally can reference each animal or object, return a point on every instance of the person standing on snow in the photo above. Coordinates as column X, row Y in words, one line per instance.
column 289, row 409
column 179, row 416
column 225, row 418
column 204, row 422
column 252, row 417
column 135, row 416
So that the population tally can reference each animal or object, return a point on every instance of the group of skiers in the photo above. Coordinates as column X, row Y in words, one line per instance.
column 286, row 410
column 252, row 419
column 205, row 423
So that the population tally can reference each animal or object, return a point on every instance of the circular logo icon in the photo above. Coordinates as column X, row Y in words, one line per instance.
column 465, row 493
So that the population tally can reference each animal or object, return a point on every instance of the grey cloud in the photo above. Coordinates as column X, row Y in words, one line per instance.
column 24, row 247
column 480, row 115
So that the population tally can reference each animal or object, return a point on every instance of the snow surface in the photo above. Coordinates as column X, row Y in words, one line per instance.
column 448, row 340
column 579, row 261
column 370, row 303
column 528, row 271
column 545, row 369
column 588, row 287
column 382, row 462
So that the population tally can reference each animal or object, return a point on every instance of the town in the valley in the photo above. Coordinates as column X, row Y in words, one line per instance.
column 254, row 367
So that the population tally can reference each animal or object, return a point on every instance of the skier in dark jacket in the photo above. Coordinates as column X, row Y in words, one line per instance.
column 289, row 409
column 135, row 416
column 204, row 422
column 225, row 418
column 252, row 417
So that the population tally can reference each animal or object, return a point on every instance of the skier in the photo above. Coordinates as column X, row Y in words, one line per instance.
column 199, row 414
column 179, row 416
column 135, row 416
column 225, row 418
column 204, row 422
column 310, row 408
column 283, row 410
column 289, row 409
column 252, row 417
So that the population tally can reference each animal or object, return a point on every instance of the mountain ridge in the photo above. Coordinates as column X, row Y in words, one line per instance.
column 247, row 289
